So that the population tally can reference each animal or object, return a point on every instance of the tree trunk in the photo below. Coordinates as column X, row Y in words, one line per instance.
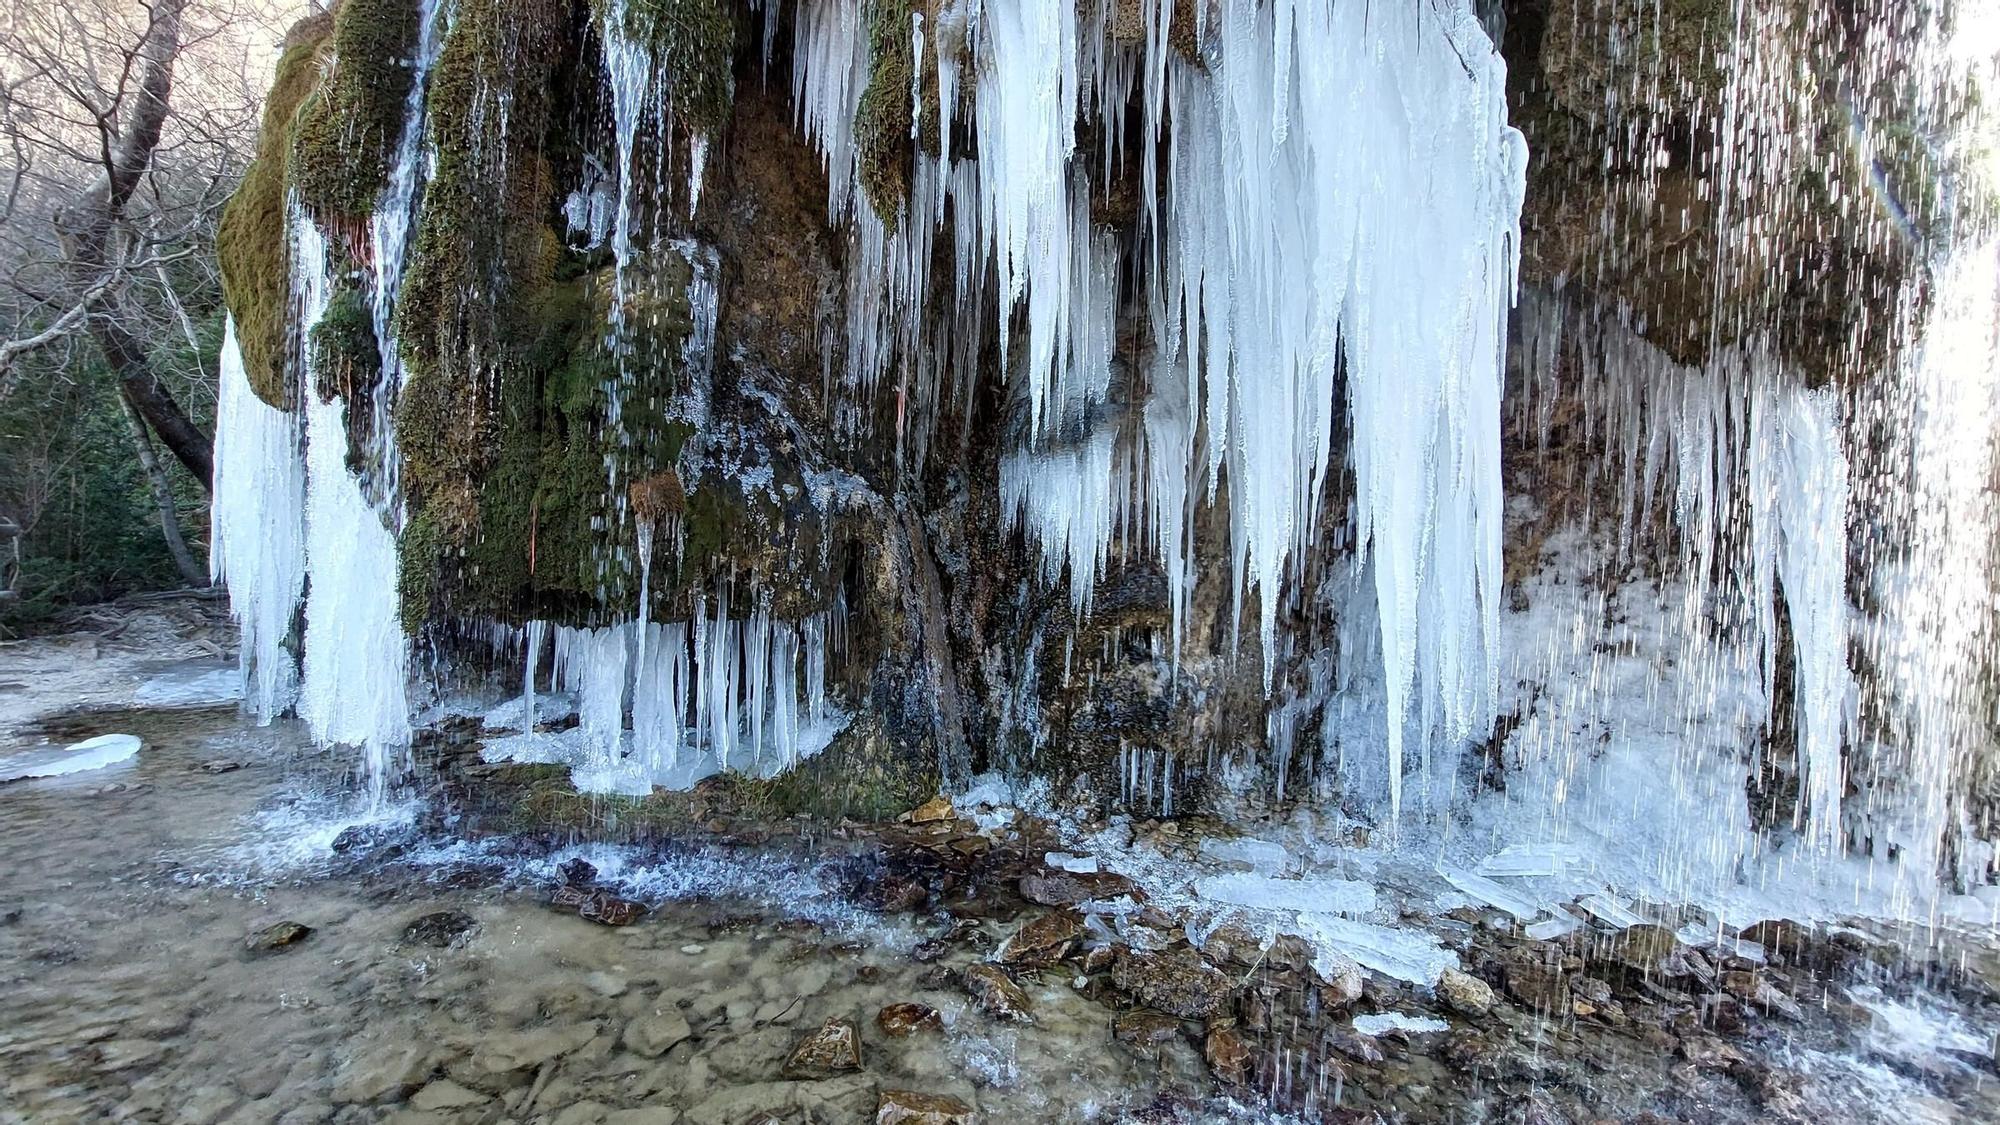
column 144, row 392
column 163, row 494
column 91, row 221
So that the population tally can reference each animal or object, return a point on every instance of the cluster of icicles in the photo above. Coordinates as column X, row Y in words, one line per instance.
column 1338, row 212
column 670, row 704
column 1280, row 252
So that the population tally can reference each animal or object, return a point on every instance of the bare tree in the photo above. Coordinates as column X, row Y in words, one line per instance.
column 124, row 125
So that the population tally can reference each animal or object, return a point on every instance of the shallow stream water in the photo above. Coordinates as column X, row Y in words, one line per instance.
column 142, row 977
column 128, row 895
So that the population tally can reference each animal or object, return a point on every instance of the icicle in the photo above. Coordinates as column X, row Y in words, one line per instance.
column 257, row 530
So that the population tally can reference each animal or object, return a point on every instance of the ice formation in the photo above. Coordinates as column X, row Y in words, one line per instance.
column 670, row 703
column 353, row 688
column 257, row 536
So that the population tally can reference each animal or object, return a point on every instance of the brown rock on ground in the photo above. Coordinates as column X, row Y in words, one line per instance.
column 996, row 993
column 1042, row 941
column 903, row 1020
column 1176, row 981
column 834, row 1048
column 907, row 1107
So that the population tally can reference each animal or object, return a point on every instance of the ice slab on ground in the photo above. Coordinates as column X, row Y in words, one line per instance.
column 1074, row 864
column 1611, row 912
column 548, row 709
column 80, row 757
column 1262, row 892
column 1549, row 930
column 1405, row 954
column 1384, row 1022
column 195, row 686
column 1520, row 904
column 1530, row 860
column 1258, row 855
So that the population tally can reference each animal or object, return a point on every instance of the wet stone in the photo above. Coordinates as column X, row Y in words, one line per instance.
column 1534, row 978
column 1176, row 981
column 600, row 906
column 1063, row 888
column 907, row 1107
column 440, row 930
column 903, row 1020
column 1043, row 941
column 834, row 1048
column 932, row 811
column 578, row 873
column 1227, row 1054
column 657, row 1032
column 273, row 938
column 1145, row 1030
column 1464, row 993
column 996, row 993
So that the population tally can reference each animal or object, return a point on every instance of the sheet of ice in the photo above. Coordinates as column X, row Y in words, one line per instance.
column 1523, row 906
column 1261, row 856
column 1562, row 922
column 1401, row 953
column 191, row 688
column 548, row 709
column 1077, row 864
column 1525, row 860
column 1317, row 895
column 90, row 754
column 1383, row 1023
column 1611, row 912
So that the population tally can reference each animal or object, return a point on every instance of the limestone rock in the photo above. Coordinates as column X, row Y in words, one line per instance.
column 600, row 906
column 907, row 1107
column 1341, row 978
column 1069, row 888
column 932, row 811
column 834, row 1048
column 903, row 1020
column 656, row 1033
column 445, row 1094
column 1176, row 981
column 996, row 993
column 1464, row 993
column 1533, row 976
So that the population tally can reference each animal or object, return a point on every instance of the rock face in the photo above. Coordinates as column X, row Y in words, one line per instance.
column 698, row 364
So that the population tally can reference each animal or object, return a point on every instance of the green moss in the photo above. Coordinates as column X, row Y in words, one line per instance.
column 347, row 360
column 417, row 570
column 484, row 251
column 252, row 238
column 694, row 43
column 883, row 119
column 347, row 130
column 864, row 776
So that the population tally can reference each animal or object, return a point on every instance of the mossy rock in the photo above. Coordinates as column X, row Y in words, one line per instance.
column 865, row 775
column 348, row 129
column 253, row 238
column 693, row 43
